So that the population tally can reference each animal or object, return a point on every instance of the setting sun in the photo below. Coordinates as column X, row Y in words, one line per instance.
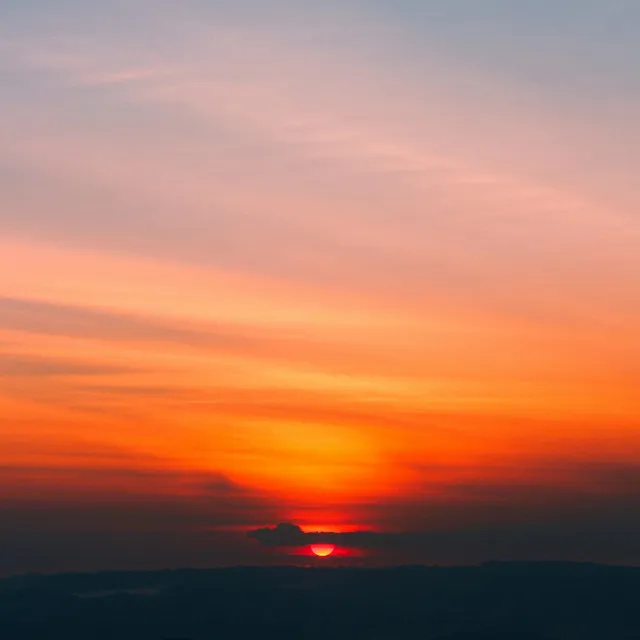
column 322, row 550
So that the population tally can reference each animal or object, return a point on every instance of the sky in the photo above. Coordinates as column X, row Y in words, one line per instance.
column 356, row 266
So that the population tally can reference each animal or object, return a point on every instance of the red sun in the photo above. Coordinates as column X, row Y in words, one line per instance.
column 322, row 550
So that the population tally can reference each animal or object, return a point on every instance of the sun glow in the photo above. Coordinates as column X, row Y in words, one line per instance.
column 322, row 550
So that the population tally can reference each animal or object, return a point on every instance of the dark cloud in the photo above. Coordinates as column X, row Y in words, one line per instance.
column 612, row 542
column 577, row 511
column 132, row 515
column 92, row 518
column 290, row 535
column 117, row 475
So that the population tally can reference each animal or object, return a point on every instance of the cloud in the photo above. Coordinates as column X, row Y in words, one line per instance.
column 109, row 508
column 290, row 535
column 259, row 341
column 579, row 511
column 141, row 474
column 133, row 532
column 285, row 534
column 23, row 366
column 125, row 494
column 612, row 541
column 39, row 316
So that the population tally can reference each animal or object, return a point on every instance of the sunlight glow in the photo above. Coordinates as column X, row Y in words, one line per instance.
column 322, row 550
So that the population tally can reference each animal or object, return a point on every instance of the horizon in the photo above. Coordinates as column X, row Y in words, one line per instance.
column 320, row 564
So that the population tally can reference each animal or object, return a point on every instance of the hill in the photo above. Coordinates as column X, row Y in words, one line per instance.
column 494, row 601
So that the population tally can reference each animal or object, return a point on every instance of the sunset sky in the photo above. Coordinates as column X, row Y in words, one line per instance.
column 349, row 264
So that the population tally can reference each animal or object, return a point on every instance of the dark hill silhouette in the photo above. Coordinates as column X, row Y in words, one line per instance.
column 495, row 601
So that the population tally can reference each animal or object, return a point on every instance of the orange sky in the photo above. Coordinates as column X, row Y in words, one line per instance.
column 332, row 274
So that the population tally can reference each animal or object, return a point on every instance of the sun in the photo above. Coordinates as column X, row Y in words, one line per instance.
column 322, row 550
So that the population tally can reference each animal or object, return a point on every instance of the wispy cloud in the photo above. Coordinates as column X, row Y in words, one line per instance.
column 20, row 366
